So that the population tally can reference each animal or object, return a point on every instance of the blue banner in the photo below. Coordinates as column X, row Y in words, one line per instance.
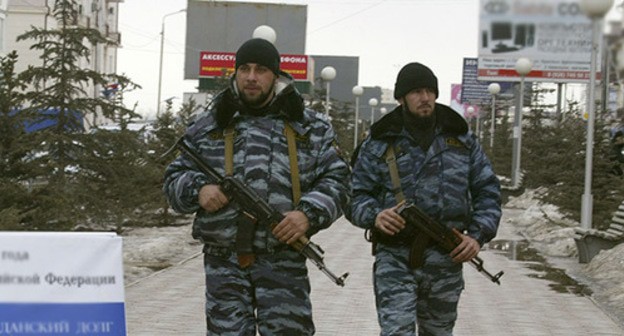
column 106, row 319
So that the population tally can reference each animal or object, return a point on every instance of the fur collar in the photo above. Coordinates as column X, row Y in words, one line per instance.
column 287, row 102
column 447, row 119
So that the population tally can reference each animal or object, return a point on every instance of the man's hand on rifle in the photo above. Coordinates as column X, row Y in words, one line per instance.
column 294, row 225
column 389, row 221
column 212, row 198
column 466, row 250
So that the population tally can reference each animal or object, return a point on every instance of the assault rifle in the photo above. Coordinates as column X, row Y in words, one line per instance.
column 420, row 225
column 255, row 210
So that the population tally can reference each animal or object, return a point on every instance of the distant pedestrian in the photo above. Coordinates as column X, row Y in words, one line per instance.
column 258, row 131
column 439, row 166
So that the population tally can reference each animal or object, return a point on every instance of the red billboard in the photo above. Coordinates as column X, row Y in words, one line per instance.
column 216, row 64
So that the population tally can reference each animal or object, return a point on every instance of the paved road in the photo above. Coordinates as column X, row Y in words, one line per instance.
column 171, row 302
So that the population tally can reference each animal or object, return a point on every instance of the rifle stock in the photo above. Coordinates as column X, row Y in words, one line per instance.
column 447, row 238
column 258, row 209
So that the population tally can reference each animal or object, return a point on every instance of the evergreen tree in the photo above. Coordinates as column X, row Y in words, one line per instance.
column 58, row 96
column 168, row 129
column 554, row 154
column 15, row 170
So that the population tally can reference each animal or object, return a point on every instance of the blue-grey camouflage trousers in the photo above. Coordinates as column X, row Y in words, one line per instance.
column 272, row 295
column 426, row 297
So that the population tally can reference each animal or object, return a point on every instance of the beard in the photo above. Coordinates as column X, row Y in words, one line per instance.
column 418, row 121
column 255, row 102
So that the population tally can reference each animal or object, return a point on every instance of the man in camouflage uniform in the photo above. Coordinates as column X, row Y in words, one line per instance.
column 271, row 296
column 442, row 170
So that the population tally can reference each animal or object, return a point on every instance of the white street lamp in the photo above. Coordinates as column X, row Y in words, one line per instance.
column 372, row 103
column 383, row 111
column 162, row 44
column 357, row 92
column 523, row 68
column 470, row 111
column 265, row 32
column 595, row 10
column 493, row 89
column 328, row 74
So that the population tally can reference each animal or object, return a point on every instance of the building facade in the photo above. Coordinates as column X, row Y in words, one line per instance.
column 3, row 9
column 19, row 16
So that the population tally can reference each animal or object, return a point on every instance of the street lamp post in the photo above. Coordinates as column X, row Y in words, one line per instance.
column 372, row 103
column 523, row 67
column 328, row 74
column 162, row 44
column 595, row 10
column 357, row 92
column 470, row 111
column 478, row 124
column 493, row 89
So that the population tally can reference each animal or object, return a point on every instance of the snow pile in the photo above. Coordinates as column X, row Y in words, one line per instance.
column 607, row 269
column 150, row 249
column 552, row 235
column 544, row 225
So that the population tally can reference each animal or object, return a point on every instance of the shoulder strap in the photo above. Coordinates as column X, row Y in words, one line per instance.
column 228, row 134
column 394, row 174
column 294, row 165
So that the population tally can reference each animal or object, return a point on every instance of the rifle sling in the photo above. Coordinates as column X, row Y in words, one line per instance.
column 228, row 135
column 246, row 228
column 294, row 165
column 421, row 241
column 394, row 174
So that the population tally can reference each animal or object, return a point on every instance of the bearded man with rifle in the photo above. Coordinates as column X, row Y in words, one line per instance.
column 422, row 152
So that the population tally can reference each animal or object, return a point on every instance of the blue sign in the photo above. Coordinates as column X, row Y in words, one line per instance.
column 475, row 91
column 48, row 288
column 94, row 319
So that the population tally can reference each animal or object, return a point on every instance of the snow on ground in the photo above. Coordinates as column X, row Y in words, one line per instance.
column 150, row 249
column 552, row 235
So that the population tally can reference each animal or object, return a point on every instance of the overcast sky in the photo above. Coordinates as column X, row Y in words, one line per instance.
column 386, row 35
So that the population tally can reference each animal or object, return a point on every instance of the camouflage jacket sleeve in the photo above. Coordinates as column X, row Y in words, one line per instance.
column 183, row 179
column 485, row 196
column 365, row 188
column 182, row 184
column 325, row 199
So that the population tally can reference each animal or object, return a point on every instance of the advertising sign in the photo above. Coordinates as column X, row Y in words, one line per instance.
column 474, row 91
column 61, row 284
column 226, row 25
column 554, row 34
column 458, row 106
column 216, row 64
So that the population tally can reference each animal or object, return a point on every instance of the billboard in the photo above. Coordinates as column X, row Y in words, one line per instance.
column 224, row 25
column 217, row 64
column 554, row 34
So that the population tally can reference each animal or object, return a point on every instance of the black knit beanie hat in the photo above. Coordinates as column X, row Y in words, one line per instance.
column 259, row 51
column 414, row 76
